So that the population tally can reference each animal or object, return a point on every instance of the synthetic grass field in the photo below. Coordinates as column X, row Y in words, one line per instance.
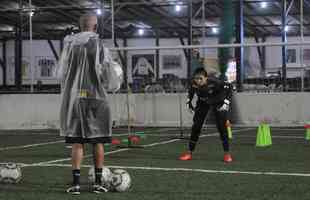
column 280, row 172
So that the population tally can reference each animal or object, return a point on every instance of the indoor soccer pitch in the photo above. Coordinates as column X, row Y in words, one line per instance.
column 280, row 171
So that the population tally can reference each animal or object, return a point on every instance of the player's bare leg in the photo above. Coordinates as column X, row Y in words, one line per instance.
column 77, row 157
column 98, row 151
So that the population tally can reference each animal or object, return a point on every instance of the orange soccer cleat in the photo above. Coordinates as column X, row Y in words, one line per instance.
column 227, row 158
column 134, row 139
column 186, row 156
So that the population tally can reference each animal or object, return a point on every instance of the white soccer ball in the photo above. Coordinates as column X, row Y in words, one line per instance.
column 10, row 173
column 106, row 177
column 121, row 180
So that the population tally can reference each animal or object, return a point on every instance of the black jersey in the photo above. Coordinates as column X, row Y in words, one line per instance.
column 214, row 92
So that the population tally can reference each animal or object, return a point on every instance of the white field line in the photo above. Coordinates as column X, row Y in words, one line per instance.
column 288, row 129
column 274, row 136
column 121, row 150
column 30, row 145
column 66, row 159
column 189, row 170
column 241, row 136
column 107, row 153
column 60, row 141
column 288, row 137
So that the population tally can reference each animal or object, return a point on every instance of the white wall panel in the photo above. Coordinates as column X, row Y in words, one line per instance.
column 41, row 110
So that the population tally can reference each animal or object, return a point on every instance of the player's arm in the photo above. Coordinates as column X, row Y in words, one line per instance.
column 228, row 91
column 62, row 69
column 110, row 72
column 115, row 72
column 190, row 96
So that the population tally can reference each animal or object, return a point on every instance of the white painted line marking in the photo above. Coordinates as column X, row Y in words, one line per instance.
column 62, row 141
column 125, row 149
column 187, row 170
column 31, row 145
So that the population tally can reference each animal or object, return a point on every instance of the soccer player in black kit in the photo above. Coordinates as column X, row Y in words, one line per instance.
column 214, row 94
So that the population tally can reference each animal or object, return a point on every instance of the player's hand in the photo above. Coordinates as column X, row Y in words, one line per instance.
column 190, row 106
column 225, row 106
column 194, row 84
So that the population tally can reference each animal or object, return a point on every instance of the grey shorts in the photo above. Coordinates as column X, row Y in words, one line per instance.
column 91, row 121
column 80, row 140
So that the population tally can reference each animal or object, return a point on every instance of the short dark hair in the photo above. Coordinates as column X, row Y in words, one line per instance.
column 201, row 71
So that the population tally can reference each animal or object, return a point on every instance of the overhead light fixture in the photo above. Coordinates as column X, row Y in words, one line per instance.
column 263, row 4
column 99, row 12
column 215, row 30
column 177, row 8
column 286, row 28
column 141, row 31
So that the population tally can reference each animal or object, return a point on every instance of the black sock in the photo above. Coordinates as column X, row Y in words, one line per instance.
column 191, row 145
column 225, row 144
column 98, row 175
column 76, row 173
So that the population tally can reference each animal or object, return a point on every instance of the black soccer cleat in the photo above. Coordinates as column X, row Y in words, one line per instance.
column 99, row 189
column 75, row 189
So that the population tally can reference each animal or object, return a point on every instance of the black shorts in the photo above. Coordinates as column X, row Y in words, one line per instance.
column 80, row 140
